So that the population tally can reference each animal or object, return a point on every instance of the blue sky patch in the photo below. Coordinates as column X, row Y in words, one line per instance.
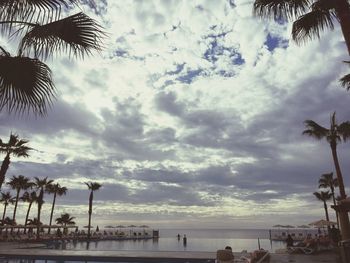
column 275, row 42
column 189, row 76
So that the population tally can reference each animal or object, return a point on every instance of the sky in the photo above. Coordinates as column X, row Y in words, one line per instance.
column 191, row 117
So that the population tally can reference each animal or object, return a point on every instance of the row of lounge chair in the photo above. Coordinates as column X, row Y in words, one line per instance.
column 312, row 245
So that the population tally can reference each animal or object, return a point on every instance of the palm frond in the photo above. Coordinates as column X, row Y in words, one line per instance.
column 33, row 91
column 78, row 34
column 344, row 130
column 324, row 5
column 310, row 25
column 32, row 11
column 345, row 82
column 280, row 9
column 315, row 130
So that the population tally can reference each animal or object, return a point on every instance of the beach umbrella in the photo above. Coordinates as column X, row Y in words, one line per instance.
column 144, row 226
column 322, row 223
column 88, row 226
column 109, row 226
column 132, row 226
column 120, row 226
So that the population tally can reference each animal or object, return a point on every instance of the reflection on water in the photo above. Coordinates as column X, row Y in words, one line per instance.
column 172, row 240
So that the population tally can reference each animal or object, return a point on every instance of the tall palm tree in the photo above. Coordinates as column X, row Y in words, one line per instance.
column 92, row 186
column 41, row 185
column 6, row 199
column 64, row 220
column 327, row 181
column 324, row 197
column 19, row 183
column 30, row 198
column 15, row 147
column 312, row 16
column 56, row 190
column 333, row 135
column 41, row 31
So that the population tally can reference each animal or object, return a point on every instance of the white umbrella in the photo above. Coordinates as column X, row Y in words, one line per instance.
column 322, row 223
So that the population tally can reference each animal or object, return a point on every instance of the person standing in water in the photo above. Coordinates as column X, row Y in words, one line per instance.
column 185, row 240
column 178, row 237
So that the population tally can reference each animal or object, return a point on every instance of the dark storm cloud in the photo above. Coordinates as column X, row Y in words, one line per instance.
column 125, row 130
column 168, row 103
column 62, row 117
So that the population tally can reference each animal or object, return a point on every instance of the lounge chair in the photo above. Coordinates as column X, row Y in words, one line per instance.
column 224, row 256
column 304, row 249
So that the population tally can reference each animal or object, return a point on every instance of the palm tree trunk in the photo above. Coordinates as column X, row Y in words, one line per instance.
column 16, row 203
column 52, row 208
column 343, row 216
column 40, row 203
column 4, row 213
column 337, row 169
column 27, row 215
column 342, row 10
column 90, row 212
column 334, row 203
column 326, row 210
column 4, row 166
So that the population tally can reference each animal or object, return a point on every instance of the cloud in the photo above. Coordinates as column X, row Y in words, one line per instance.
column 193, row 111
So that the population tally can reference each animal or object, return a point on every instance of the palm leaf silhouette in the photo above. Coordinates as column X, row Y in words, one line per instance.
column 280, row 9
column 311, row 24
column 345, row 81
column 79, row 34
column 34, row 87
column 32, row 11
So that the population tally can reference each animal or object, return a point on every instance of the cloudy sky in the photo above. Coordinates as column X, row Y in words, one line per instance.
column 192, row 116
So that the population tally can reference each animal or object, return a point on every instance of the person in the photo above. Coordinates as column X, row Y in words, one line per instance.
column 185, row 240
column 289, row 241
column 178, row 237
column 334, row 235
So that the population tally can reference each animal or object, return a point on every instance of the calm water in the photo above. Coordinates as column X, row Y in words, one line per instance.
column 197, row 240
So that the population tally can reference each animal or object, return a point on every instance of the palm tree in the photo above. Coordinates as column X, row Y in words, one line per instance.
column 55, row 189
column 92, row 186
column 15, row 147
column 324, row 197
column 42, row 32
column 64, row 220
column 41, row 185
column 29, row 198
column 327, row 181
column 6, row 199
column 333, row 135
column 18, row 183
column 312, row 17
